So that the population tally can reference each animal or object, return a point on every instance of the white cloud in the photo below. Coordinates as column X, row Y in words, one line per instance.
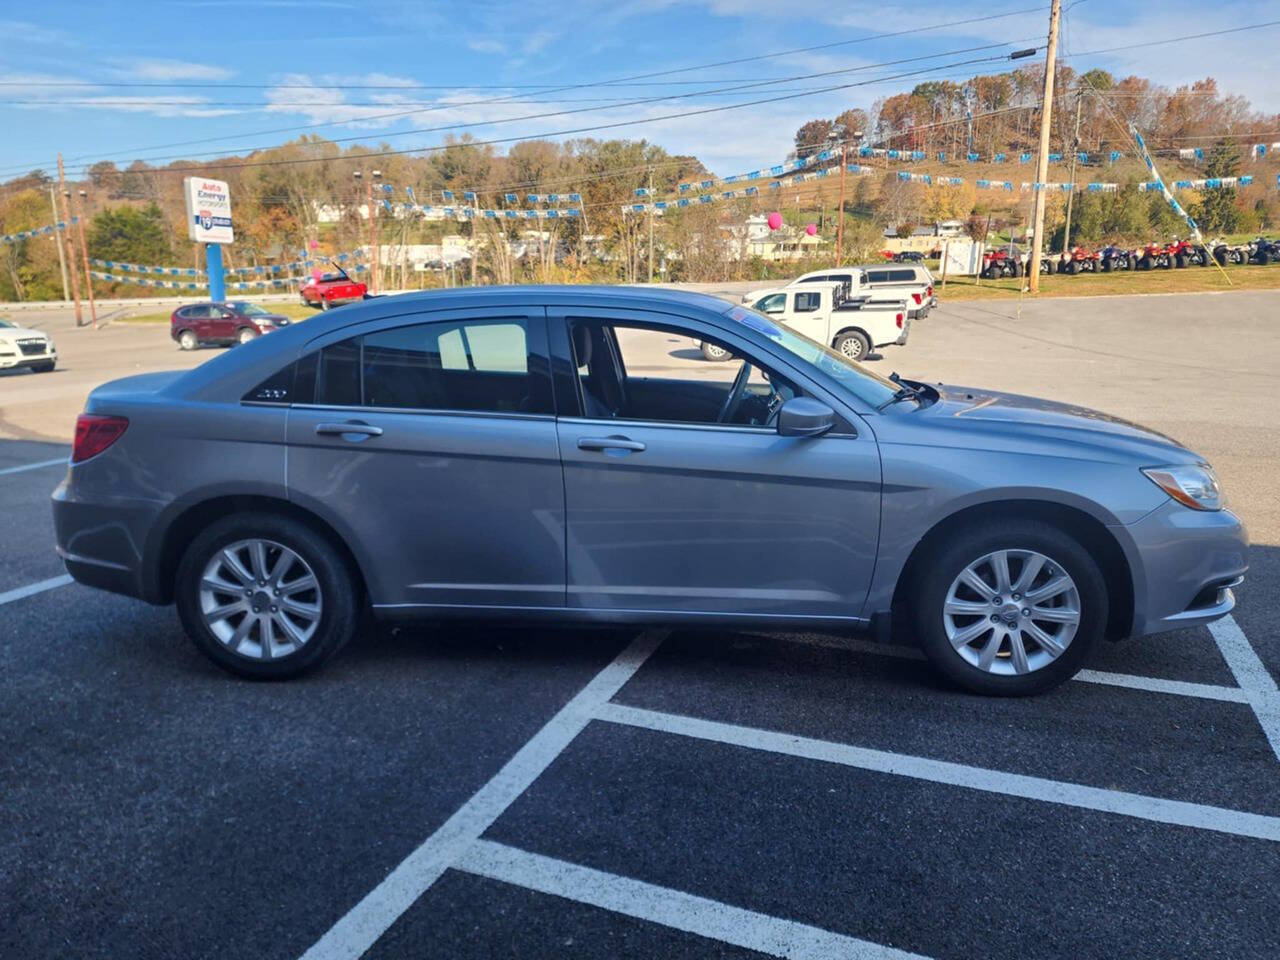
column 165, row 69
column 487, row 46
column 65, row 94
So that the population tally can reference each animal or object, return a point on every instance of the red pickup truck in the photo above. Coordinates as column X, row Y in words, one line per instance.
column 331, row 290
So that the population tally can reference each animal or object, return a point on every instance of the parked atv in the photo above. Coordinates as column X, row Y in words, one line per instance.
column 1263, row 251
column 1183, row 253
column 998, row 263
column 1154, row 255
column 1080, row 260
column 1226, row 253
column 1112, row 258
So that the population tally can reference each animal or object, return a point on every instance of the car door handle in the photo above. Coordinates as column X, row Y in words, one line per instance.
column 353, row 426
column 610, row 443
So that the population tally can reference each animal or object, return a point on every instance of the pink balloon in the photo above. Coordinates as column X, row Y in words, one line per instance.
column 314, row 245
column 811, row 229
column 775, row 220
column 317, row 274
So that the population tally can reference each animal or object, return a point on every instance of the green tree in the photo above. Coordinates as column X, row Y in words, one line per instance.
column 1216, row 210
column 130, row 234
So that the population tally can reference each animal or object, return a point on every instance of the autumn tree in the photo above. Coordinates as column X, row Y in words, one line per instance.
column 813, row 137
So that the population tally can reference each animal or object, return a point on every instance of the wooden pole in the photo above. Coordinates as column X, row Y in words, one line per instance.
column 84, row 252
column 1042, row 161
column 844, row 167
column 71, row 246
column 57, row 242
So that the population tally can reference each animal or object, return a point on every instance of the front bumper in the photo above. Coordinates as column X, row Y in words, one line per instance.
column 13, row 357
column 1188, row 561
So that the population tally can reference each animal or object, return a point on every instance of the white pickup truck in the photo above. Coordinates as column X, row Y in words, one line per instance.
column 821, row 312
column 915, row 290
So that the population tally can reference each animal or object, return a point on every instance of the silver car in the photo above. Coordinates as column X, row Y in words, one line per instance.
column 564, row 453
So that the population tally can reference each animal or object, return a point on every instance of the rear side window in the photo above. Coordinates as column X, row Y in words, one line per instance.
column 277, row 388
column 808, row 302
column 877, row 276
column 814, row 279
column 897, row 276
column 476, row 366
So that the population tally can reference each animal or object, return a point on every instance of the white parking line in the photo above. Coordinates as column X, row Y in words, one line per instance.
column 671, row 908
column 1181, row 688
column 34, row 466
column 356, row 932
column 1182, row 813
column 1252, row 675
column 31, row 589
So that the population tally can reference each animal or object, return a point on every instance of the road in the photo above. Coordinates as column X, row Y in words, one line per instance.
column 483, row 791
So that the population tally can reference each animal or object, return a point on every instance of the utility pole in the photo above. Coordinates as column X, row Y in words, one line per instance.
column 84, row 252
column 1075, row 150
column 1042, row 160
column 66, row 215
column 651, row 224
column 57, row 242
column 844, row 167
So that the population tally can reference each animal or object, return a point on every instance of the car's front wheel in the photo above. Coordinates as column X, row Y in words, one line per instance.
column 711, row 352
column 245, row 334
column 1010, row 608
column 266, row 597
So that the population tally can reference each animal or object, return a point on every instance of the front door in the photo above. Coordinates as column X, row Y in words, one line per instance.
column 432, row 440
column 682, row 497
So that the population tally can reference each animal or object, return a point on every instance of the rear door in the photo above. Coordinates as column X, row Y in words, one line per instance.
column 431, row 444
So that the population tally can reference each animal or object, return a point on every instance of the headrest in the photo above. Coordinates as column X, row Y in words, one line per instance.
column 582, row 344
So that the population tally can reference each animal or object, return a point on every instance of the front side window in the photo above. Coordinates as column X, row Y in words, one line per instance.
column 774, row 303
column 808, row 302
column 631, row 372
column 469, row 365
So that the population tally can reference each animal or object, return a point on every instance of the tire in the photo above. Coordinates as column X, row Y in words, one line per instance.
column 245, row 335
column 46, row 367
column 1017, row 269
column 1145, row 263
column 1073, row 267
column 972, row 547
column 324, row 304
column 714, row 353
column 1180, row 261
column 1107, row 265
column 188, row 340
column 852, row 344
column 1220, row 254
column 1264, row 257
column 335, row 597
column 1049, row 267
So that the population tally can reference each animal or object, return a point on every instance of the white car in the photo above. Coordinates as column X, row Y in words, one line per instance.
column 20, row 347
column 912, row 284
column 821, row 312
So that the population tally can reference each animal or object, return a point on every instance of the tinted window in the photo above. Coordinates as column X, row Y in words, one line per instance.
column 901, row 275
column 808, row 302
column 277, row 388
column 877, row 276
column 815, row 279
column 473, row 366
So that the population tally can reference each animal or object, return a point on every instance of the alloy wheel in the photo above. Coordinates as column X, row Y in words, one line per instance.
column 851, row 347
column 260, row 599
column 1011, row 612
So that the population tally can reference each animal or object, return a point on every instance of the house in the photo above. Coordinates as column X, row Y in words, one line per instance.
column 753, row 238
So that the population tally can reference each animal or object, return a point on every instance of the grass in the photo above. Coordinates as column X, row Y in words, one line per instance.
column 294, row 311
column 1126, row 283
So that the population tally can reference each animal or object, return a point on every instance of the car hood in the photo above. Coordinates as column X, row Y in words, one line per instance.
column 991, row 411
column 11, row 333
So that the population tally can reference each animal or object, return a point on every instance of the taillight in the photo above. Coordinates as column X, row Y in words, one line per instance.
column 94, row 434
column 916, row 298
column 929, row 290
column 899, row 321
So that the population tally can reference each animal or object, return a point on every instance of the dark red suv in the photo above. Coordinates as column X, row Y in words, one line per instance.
column 223, row 323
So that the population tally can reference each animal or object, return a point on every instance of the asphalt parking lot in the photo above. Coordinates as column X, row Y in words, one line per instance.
column 463, row 791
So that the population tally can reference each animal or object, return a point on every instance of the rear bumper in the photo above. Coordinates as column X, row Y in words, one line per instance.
column 1189, row 562
column 101, row 543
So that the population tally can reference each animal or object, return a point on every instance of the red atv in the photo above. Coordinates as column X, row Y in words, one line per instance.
column 1080, row 260
column 998, row 263
column 1154, row 255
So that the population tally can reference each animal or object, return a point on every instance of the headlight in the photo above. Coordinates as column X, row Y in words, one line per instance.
column 1193, row 485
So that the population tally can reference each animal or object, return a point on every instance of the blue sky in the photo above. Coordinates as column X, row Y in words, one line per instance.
column 121, row 82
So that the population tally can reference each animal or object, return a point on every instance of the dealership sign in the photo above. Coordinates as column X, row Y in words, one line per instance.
column 208, row 210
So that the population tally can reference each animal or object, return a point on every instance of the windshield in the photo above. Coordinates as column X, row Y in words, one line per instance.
column 861, row 382
column 249, row 309
column 5, row 324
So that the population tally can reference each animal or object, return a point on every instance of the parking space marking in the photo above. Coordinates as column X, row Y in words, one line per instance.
column 1252, row 675
column 1178, row 812
column 1132, row 681
column 31, row 589
column 33, row 466
column 671, row 908
column 364, row 923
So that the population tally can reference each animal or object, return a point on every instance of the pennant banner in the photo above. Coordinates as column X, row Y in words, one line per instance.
column 188, row 285
column 272, row 270
column 18, row 237
column 1159, row 183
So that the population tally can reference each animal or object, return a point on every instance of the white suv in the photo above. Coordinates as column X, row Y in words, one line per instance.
column 20, row 347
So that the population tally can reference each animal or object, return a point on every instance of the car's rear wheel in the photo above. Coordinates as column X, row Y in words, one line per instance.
column 187, row 340
column 266, row 597
column 712, row 352
column 1010, row 608
column 853, row 345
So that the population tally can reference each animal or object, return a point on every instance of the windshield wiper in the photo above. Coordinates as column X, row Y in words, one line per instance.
column 905, row 391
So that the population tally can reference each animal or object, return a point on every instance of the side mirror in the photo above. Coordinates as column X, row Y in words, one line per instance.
column 805, row 417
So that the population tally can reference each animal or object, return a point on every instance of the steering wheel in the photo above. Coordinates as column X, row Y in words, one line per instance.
column 734, row 399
